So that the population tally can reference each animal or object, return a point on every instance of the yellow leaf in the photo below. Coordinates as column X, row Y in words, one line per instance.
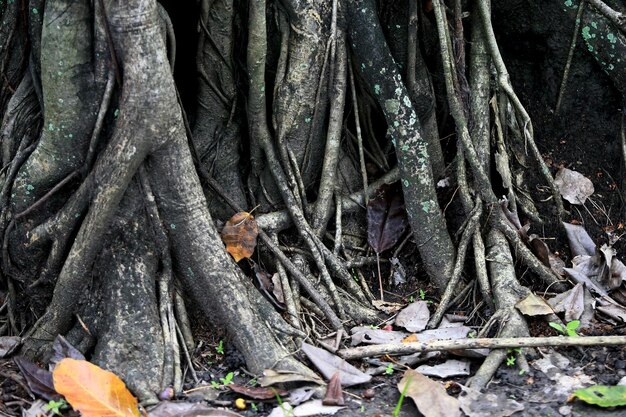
column 92, row 390
column 240, row 404
column 410, row 338
column 239, row 235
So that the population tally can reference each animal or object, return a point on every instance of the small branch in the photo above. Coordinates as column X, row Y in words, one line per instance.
column 489, row 343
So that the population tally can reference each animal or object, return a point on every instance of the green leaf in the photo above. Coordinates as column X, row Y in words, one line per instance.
column 572, row 326
column 602, row 395
column 557, row 326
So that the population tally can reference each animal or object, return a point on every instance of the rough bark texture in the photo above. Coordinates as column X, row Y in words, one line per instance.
column 380, row 70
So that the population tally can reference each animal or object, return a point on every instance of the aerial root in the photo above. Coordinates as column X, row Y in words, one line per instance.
column 448, row 294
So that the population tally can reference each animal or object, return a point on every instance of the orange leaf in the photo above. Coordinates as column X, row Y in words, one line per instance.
column 92, row 390
column 239, row 235
column 410, row 338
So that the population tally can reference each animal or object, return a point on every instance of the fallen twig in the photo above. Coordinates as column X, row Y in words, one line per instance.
column 492, row 343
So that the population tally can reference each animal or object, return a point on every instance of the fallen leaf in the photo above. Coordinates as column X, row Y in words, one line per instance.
column 533, row 305
column 62, row 349
column 328, row 364
column 38, row 408
column 38, row 380
column 334, row 394
column 616, row 312
column 580, row 243
column 309, row 408
column 178, row 409
column 451, row 367
column 302, row 394
column 269, row 285
column 272, row 377
column 476, row 404
column 444, row 333
column 92, row 390
column 540, row 249
column 8, row 345
column 581, row 278
column 429, row 396
column 414, row 317
column 362, row 334
column 572, row 302
column 604, row 274
column 386, row 217
column 602, row 395
column 239, row 234
column 277, row 289
column 617, row 274
column 257, row 393
column 573, row 186
column 387, row 307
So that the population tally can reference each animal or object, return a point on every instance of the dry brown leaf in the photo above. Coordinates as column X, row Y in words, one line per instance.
column 573, row 186
column 239, row 235
column 334, row 395
column 328, row 364
column 414, row 317
column 429, row 396
column 92, row 390
column 533, row 305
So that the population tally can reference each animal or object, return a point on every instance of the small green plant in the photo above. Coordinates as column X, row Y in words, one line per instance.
column 362, row 408
column 228, row 379
column 422, row 294
column 569, row 329
column 55, row 407
column 510, row 360
column 396, row 411
column 254, row 407
column 412, row 299
column 220, row 348
column 389, row 369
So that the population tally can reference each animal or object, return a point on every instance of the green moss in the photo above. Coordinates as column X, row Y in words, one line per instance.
column 612, row 38
column 392, row 106
column 586, row 32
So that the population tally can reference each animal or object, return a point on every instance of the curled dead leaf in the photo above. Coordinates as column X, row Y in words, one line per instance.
column 239, row 235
